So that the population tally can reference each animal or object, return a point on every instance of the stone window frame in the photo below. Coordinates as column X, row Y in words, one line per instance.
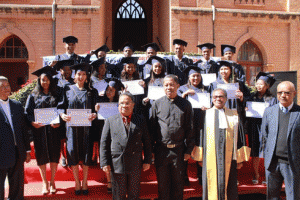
column 131, row 9
column 10, row 46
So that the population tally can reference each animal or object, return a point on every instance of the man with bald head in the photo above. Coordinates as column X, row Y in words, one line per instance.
column 281, row 138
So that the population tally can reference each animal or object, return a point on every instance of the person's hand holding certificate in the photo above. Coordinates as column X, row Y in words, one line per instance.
column 107, row 109
column 134, row 87
column 46, row 116
column 78, row 117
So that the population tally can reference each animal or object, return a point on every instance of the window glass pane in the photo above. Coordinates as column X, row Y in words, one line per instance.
column 17, row 42
column 24, row 53
column 9, row 52
column 17, row 53
column 133, row 10
column 10, row 42
column 2, row 52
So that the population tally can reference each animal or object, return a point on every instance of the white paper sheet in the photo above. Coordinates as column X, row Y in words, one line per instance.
column 208, row 78
column 230, row 88
column 155, row 92
column 256, row 109
column 107, row 109
column 79, row 117
column 100, row 86
column 199, row 100
column 134, row 87
column 46, row 116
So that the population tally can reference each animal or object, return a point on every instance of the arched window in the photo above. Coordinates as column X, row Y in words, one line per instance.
column 13, row 48
column 250, row 57
column 131, row 9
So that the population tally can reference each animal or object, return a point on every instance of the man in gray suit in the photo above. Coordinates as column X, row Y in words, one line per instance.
column 124, row 137
column 14, row 143
column 281, row 138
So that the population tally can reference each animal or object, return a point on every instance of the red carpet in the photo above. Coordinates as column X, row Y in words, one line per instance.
column 97, row 183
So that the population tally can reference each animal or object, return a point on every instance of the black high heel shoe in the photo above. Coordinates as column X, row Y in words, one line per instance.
column 109, row 189
column 77, row 192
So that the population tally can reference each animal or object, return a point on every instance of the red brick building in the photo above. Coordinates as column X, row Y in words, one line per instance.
column 265, row 32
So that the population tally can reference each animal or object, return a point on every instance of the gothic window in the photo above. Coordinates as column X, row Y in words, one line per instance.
column 250, row 57
column 131, row 9
column 13, row 48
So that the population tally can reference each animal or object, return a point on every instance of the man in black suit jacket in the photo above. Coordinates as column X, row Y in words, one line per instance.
column 124, row 137
column 13, row 143
column 281, row 137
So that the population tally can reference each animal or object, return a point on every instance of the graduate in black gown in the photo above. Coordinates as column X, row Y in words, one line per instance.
column 130, row 73
column 46, row 138
column 151, row 49
column 206, row 64
column 65, row 78
column 253, row 125
column 177, row 63
column 195, row 85
column 156, row 78
column 227, row 51
column 99, row 79
column 79, row 138
column 100, row 53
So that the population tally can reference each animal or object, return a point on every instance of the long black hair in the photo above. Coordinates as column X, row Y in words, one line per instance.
column 153, row 76
column 38, row 90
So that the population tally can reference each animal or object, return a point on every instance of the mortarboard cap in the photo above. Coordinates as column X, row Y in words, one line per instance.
column 45, row 70
column 180, row 42
column 81, row 67
column 270, row 80
column 62, row 63
column 225, row 48
column 191, row 70
column 102, row 48
column 151, row 45
column 206, row 46
column 97, row 63
column 128, row 60
column 70, row 39
column 154, row 59
column 128, row 45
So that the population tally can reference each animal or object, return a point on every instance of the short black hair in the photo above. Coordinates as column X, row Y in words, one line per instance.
column 172, row 76
column 127, row 94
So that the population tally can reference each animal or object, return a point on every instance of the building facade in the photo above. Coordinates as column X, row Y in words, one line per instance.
column 265, row 32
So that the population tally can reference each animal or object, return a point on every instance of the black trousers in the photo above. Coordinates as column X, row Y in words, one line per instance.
column 15, row 176
column 170, row 172
column 128, row 183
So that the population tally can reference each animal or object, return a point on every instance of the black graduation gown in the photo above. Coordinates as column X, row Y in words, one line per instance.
column 176, row 67
column 79, row 139
column 207, row 68
column 46, row 139
column 253, row 125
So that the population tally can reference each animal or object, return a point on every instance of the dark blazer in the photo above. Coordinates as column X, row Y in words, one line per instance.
column 7, row 144
column 124, row 153
column 269, row 129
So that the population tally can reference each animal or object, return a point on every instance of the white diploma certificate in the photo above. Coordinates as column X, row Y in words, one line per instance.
column 155, row 92
column 256, row 109
column 100, row 86
column 230, row 88
column 79, row 117
column 46, row 116
column 107, row 109
column 209, row 78
column 198, row 100
column 134, row 87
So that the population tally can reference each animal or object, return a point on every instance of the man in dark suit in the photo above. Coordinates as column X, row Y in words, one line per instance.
column 281, row 138
column 13, row 143
column 124, row 137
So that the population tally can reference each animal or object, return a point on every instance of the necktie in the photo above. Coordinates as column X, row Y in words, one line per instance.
column 126, row 124
column 284, row 110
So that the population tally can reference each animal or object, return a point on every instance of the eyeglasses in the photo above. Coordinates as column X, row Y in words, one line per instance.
column 286, row 93
column 221, row 97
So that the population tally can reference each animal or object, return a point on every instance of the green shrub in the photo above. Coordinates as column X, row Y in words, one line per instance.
column 22, row 94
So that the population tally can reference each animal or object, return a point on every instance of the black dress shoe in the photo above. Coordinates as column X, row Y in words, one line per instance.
column 77, row 192
column 85, row 192
column 109, row 190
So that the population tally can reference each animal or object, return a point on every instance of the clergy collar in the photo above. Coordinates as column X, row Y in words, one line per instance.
column 172, row 100
column 289, row 108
